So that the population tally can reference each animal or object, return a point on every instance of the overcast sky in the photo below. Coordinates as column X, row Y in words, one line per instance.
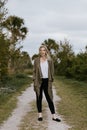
column 55, row 19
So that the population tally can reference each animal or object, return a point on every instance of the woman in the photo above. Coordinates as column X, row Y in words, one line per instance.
column 43, row 78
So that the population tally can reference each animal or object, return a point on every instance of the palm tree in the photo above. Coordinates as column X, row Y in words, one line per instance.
column 15, row 25
column 52, row 46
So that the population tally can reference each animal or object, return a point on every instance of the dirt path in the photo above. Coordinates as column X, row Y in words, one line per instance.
column 52, row 125
column 23, row 107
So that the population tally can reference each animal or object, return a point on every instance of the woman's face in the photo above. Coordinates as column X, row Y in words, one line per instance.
column 42, row 51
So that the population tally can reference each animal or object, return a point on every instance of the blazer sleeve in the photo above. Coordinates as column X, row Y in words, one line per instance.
column 52, row 69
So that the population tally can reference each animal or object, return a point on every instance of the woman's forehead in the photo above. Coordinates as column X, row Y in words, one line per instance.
column 42, row 48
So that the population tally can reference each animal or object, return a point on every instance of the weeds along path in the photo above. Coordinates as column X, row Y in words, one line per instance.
column 24, row 110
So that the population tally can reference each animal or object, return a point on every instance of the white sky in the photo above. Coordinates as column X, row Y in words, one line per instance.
column 55, row 19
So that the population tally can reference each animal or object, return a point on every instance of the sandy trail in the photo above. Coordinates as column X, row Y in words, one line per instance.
column 23, row 107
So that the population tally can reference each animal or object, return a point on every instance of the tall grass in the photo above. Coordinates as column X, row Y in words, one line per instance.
column 73, row 105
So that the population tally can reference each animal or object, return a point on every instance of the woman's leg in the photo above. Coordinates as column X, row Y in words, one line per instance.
column 39, row 102
column 50, row 102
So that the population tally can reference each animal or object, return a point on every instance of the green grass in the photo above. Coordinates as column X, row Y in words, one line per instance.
column 73, row 105
column 8, row 98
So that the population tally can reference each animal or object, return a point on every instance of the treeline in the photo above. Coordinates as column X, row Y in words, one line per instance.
column 66, row 62
column 13, row 60
column 12, row 32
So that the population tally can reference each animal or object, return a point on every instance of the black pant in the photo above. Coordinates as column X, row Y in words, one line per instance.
column 44, row 87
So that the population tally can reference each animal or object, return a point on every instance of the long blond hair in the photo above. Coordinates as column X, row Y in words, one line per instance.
column 47, row 51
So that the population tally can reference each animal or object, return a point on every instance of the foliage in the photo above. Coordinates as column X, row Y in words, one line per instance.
column 51, row 45
column 34, row 56
column 4, row 57
column 12, row 32
column 78, row 69
column 66, row 63
column 64, row 57
column 15, row 25
column 21, row 61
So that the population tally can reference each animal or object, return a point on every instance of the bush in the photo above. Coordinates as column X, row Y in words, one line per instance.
column 21, row 75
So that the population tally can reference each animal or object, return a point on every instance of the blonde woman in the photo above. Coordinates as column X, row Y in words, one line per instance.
column 43, row 77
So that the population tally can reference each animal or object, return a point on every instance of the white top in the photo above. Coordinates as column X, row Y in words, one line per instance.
column 44, row 68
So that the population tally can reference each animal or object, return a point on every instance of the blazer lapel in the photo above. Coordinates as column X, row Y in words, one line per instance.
column 39, row 68
column 49, row 70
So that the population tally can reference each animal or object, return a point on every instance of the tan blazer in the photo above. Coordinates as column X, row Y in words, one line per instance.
column 37, row 76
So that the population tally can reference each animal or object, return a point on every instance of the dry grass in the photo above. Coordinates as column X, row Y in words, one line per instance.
column 73, row 105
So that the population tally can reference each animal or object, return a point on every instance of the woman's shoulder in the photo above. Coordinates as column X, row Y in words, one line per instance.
column 37, row 59
column 50, row 60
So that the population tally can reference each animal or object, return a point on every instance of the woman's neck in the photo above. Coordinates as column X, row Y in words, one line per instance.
column 43, row 58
